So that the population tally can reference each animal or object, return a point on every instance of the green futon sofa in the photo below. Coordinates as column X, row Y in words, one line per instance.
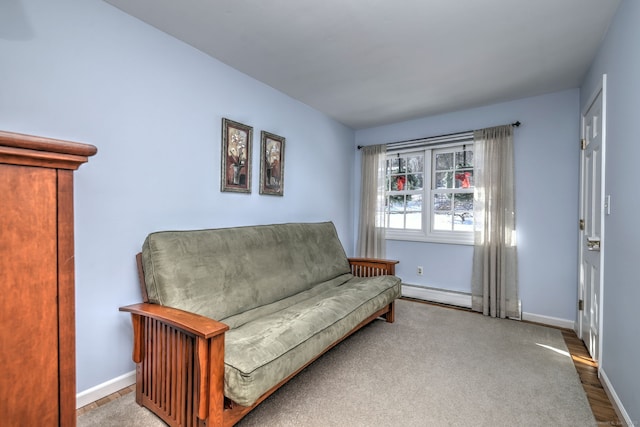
column 232, row 314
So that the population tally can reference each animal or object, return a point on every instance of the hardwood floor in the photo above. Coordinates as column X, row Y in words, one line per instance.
column 587, row 369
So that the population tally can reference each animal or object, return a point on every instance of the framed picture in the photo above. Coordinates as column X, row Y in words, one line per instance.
column 236, row 157
column 271, row 164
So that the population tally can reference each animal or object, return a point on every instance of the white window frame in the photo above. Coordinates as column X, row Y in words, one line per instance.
column 427, row 233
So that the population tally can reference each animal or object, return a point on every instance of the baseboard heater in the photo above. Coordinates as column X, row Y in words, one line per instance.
column 459, row 299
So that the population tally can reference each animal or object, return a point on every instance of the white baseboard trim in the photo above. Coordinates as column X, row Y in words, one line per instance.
column 548, row 320
column 105, row 389
column 615, row 400
column 437, row 295
column 461, row 299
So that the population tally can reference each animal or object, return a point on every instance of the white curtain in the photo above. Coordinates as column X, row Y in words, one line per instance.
column 494, row 283
column 371, row 230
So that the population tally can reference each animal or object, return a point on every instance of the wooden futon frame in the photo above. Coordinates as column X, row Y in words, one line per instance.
column 179, row 358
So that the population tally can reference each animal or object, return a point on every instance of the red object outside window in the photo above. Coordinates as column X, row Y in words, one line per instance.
column 464, row 179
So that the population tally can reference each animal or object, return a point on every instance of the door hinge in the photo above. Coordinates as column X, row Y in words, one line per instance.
column 580, row 305
column 581, row 224
column 583, row 144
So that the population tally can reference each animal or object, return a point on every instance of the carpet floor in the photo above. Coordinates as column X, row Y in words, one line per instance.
column 433, row 367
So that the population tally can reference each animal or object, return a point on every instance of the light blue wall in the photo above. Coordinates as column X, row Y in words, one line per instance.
column 547, row 169
column 619, row 58
column 84, row 71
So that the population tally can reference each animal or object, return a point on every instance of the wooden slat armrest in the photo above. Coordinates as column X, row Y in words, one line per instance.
column 206, row 347
column 195, row 324
column 366, row 267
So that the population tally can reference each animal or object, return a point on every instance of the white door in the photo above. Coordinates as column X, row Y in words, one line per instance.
column 592, row 221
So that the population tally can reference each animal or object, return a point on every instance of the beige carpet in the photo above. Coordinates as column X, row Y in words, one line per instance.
column 433, row 367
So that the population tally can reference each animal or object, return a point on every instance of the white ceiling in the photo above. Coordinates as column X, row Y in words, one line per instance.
column 373, row 62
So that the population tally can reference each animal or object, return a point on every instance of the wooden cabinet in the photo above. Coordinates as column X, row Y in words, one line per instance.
column 37, row 304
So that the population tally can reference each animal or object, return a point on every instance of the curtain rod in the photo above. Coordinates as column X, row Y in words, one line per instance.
column 514, row 124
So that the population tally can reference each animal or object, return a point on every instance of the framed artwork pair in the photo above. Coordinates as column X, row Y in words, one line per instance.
column 236, row 160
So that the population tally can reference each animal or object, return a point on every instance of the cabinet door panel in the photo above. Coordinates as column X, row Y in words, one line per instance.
column 28, row 296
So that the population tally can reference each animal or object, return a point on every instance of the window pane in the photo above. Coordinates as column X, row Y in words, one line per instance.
column 392, row 165
column 442, row 212
column 415, row 164
column 395, row 209
column 464, row 159
column 464, row 179
column 396, row 204
column 444, row 161
column 463, row 212
column 414, row 221
column 444, row 180
column 398, row 182
column 414, row 212
column 414, row 181
column 414, row 202
column 402, row 165
column 396, row 220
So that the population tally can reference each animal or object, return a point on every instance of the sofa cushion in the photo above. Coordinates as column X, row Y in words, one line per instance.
column 261, row 353
column 264, row 310
column 222, row 272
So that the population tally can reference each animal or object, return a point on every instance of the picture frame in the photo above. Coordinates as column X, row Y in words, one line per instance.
column 236, row 157
column 271, row 164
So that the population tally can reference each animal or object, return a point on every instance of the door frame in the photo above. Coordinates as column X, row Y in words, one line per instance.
column 600, row 89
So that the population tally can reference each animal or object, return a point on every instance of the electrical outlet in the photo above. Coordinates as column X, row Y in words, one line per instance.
column 419, row 271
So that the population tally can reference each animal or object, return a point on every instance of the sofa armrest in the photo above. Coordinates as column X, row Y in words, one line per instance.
column 195, row 324
column 369, row 267
column 151, row 328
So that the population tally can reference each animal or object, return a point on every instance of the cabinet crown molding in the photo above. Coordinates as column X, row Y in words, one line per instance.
column 29, row 150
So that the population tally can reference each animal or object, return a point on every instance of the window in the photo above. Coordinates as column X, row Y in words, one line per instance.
column 429, row 194
column 405, row 191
